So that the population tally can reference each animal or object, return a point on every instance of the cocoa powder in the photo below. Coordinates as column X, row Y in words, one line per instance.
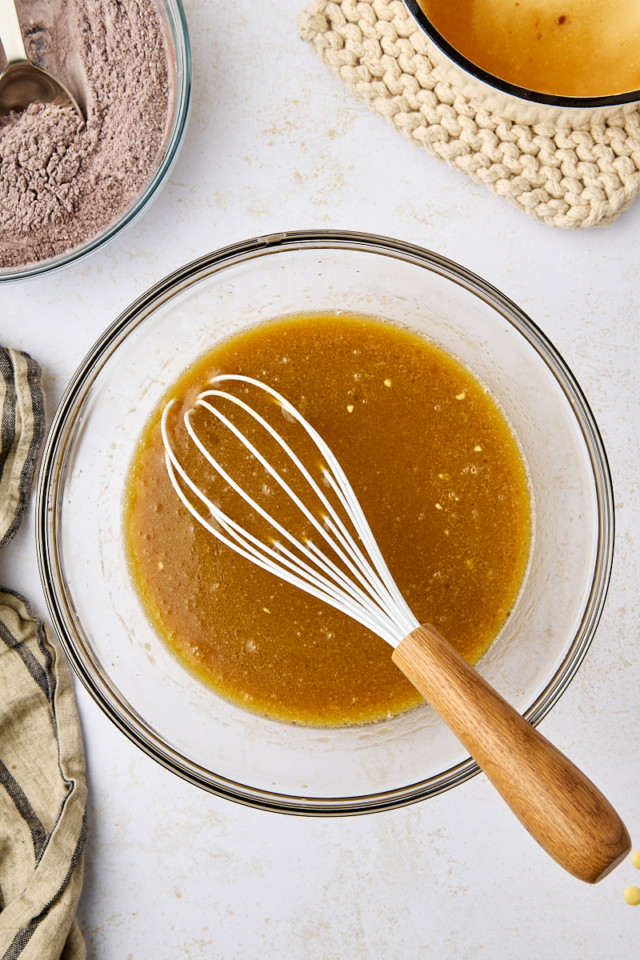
column 63, row 182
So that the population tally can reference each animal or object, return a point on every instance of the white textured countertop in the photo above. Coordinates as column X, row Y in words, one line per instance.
column 275, row 143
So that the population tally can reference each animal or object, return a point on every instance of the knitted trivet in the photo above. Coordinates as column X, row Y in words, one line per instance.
column 568, row 177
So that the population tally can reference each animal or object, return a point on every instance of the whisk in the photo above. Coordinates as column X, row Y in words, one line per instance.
column 559, row 806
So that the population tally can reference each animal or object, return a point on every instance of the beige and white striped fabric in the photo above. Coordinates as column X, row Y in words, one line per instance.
column 21, row 431
column 42, row 770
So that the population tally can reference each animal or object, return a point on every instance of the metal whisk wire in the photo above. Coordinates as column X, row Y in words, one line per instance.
column 359, row 584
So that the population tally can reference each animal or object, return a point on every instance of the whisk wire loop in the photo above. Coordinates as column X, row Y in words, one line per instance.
column 359, row 584
column 319, row 527
column 345, row 549
column 281, row 562
column 337, row 480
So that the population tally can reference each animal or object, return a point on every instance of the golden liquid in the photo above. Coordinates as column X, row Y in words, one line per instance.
column 437, row 472
column 579, row 48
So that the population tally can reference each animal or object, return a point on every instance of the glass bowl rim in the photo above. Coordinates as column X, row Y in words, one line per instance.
column 182, row 42
column 70, row 407
column 505, row 86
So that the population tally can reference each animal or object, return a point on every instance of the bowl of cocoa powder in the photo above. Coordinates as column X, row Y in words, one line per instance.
column 67, row 185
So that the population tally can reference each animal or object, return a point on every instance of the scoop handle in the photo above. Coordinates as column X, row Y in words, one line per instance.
column 559, row 806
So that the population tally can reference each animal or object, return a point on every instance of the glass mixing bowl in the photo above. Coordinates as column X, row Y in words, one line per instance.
column 98, row 616
column 174, row 22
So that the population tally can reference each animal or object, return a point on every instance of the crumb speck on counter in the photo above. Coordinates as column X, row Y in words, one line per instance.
column 632, row 896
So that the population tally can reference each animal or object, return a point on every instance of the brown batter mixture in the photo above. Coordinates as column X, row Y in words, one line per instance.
column 437, row 472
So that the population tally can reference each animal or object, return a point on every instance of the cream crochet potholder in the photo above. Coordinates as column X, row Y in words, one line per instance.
column 567, row 177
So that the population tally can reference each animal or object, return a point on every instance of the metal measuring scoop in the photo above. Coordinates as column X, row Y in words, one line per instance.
column 22, row 82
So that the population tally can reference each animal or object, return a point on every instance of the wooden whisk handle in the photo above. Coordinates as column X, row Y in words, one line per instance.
column 559, row 806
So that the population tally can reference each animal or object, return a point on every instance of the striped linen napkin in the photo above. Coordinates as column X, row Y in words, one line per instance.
column 42, row 770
